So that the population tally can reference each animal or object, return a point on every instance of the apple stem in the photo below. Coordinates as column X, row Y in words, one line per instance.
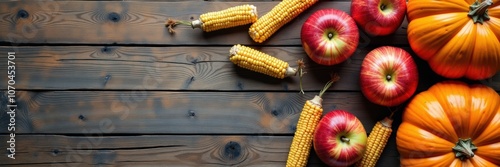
column 330, row 35
column 388, row 77
column 479, row 11
column 382, row 7
column 344, row 139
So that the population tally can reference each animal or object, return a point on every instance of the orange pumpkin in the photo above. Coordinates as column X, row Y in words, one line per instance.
column 451, row 124
column 458, row 38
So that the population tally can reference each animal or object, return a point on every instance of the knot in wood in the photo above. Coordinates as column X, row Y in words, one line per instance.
column 81, row 117
column 285, row 86
column 232, row 150
column 193, row 58
column 114, row 17
column 107, row 77
column 55, row 152
column 293, row 127
column 191, row 113
column 105, row 49
column 23, row 14
column 276, row 113
column 189, row 81
column 239, row 85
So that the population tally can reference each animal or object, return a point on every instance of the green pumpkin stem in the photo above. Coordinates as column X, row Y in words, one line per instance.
column 464, row 149
column 479, row 11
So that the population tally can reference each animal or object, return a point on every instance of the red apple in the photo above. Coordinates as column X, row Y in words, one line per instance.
column 339, row 138
column 378, row 17
column 329, row 36
column 389, row 76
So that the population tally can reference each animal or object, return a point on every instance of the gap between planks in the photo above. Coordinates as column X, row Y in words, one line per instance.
column 186, row 150
column 112, row 22
column 202, row 68
column 77, row 112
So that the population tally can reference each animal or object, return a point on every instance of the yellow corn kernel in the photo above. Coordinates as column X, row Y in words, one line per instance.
column 280, row 15
column 257, row 61
column 375, row 143
column 227, row 18
column 302, row 140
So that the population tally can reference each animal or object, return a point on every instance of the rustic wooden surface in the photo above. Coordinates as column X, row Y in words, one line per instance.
column 105, row 84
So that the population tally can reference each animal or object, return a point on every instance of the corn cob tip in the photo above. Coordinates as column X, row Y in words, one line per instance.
column 387, row 122
column 254, row 35
column 233, row 50
column 254, row 13
column 290, row 71
column 196, row 23
column 317, row 100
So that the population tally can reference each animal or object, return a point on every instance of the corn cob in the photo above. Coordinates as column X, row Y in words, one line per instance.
column 257, row 61
column 211, row 21
column 308, row 120
column 376, row 142
column 280, row 15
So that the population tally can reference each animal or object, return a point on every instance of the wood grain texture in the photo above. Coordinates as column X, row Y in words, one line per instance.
column 103, row 83
column 152, row 112
column 96, row 22
column 171, row 150
column 160, row 150
column 179, row 68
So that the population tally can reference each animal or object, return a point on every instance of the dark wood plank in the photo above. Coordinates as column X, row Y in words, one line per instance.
column 178, row 68
column 152, row 112
column 96, row 22
column 155, row 68
column 160, row 150
column 172, row 150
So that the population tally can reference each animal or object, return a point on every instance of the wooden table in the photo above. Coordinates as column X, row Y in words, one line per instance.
column 105, row 84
